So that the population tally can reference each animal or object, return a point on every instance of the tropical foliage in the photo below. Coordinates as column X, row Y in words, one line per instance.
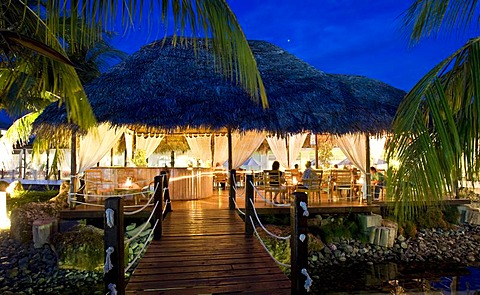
column 436, row 129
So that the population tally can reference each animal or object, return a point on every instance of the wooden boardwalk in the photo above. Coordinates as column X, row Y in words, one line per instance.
column 205, row 251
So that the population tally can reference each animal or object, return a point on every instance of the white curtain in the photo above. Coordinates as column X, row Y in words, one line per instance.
column 147, row 143
column 220, row 151
column 129, row 148
column 376, row 148
column 96, row 143
column 279, row 148
column 201, row 146
column 6, row 155
column 353, row 146
column 295, row 144
column 244, row 145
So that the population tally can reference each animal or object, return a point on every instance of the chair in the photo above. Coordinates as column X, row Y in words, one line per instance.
column 96, row 185
column 314, row 185
column 274, row 184
column 220, row 179
column 342, row 181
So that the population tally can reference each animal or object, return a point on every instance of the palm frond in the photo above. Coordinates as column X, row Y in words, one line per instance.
column 207, row 18
column 21, row 130
column 429, row 17
column 436, row 131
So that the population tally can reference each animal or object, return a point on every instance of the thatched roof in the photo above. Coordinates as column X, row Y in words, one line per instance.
column 170, row 87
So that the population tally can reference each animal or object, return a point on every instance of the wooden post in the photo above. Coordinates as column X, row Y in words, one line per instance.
column 248, row 206
column 157, row 198
column 299, row 248
column 367, row 164
column 114, row 237
column 73, row 170
column 316, row 151
column 229, row 142
column 232, row 190
column 24, row 163
column 48, row 160
column 166, row 195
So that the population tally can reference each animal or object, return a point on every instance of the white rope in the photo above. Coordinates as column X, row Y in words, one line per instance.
column 266, row 230
column 109, row 215
column 89, row 204
column 308, row 280
column 265, row 247
column 165, row 207
column 239, row 194
column 112, row 288
column 305, row 209
column 107, row 196
column 146, row 223
column 238, row 208
column 268, row 201
column 140, row 209
column 108, row 262
column 143, row 248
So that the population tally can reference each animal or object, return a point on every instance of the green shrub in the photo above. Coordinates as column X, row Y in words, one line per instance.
column 21, row 198
column 451, row 214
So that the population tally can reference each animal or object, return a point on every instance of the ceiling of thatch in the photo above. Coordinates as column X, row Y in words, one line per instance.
column 173, row 88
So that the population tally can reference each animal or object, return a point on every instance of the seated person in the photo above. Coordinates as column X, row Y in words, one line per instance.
column 277, row 182
column 297, row 173
column 378, row 181
column 307, row 174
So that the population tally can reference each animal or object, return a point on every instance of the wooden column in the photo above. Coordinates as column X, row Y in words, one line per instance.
column 73, row 169
column 299, row 248
column 114, row 237
column 367, row 174
column 229, row 138
column 232, row 190
column 158, row 215
column 248, row 206
column 316, row 151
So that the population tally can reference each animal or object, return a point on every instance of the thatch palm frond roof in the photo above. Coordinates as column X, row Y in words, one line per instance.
column 171, row 88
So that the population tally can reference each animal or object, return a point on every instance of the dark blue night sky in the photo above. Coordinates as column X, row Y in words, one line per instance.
column 336, row 36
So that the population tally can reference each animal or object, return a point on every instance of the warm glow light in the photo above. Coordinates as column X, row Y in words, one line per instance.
column 11, row 187
column 4, row 220
column 294, row 180
column 128, row 182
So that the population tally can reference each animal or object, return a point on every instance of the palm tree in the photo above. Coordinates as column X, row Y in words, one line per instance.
column 436, row 129
column 35, row 70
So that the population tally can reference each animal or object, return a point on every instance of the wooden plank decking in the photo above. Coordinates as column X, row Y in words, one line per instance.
column 206, row 252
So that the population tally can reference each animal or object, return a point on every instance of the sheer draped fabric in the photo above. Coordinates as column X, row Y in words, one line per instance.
column 279, row 148
column 129, row 147
column 220, row 151
column 244, row 145
column 353, row 146
column 295, row 144
column 147, row 143
column 201, row 146
column 96, row 144
column 6, row 154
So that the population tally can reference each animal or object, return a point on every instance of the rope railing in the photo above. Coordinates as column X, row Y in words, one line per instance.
column 115, row 237
column 149, row 239
column 145, row 225
column 265, row 247
column 238, row 208
column 266, row 200
column 144, row 206
column 263, row 227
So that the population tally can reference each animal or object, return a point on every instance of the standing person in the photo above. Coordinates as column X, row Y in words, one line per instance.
column 378, row 181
